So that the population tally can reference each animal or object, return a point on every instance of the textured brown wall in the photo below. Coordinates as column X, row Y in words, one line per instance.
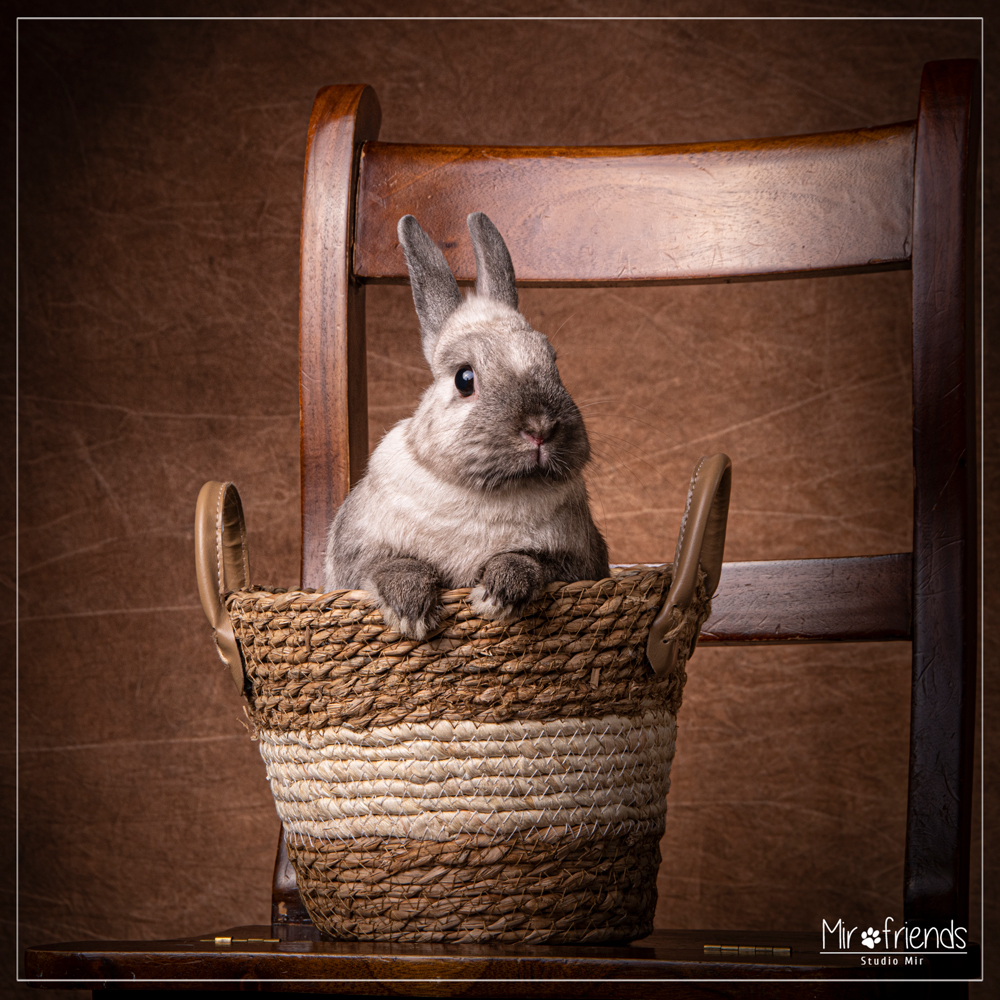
column 160, row 193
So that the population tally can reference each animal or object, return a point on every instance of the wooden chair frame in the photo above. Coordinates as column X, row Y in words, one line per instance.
column 911, row 198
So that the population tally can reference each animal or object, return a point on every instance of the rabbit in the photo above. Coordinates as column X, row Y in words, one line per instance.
column 482, row 487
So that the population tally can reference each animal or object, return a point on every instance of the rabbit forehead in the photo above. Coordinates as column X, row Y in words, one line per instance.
column 489, row 332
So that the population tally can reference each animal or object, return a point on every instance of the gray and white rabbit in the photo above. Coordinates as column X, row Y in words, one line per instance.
column 482, row 487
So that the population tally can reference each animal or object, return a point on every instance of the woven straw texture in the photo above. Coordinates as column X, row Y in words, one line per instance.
column 497, row 781
column 477, row 889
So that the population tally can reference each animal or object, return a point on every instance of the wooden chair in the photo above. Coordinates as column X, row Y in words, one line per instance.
column 910, row 192
column 899, row 196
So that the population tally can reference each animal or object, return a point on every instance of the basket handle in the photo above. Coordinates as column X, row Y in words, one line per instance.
column 701, row 541
column 222, row 563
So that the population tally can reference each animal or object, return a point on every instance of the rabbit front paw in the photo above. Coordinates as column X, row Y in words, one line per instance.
column 407, row 593
column 509, row 581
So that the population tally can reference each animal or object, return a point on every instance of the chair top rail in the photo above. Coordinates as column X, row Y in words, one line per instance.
column 832, row 202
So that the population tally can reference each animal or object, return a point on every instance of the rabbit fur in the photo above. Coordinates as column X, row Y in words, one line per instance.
column 480, row 489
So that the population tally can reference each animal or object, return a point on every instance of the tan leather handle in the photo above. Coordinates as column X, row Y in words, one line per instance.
column 222, row 562
column 701, row 542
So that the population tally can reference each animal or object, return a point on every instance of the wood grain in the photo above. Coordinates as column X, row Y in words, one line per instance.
column 663, row 962
column 837, row 202
column 856, row 599
column 333, row 381
column 944, row 534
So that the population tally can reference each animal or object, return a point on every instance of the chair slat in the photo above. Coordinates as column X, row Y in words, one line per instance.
column 855, row 599
column 831, row 202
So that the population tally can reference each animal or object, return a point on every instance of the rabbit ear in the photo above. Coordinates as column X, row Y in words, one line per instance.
column 435, row 291
column 494, row 270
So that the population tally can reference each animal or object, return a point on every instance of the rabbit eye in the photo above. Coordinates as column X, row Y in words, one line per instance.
column 465, row 381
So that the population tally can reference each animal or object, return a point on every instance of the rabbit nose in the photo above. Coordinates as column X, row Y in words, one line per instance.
column 539, row 430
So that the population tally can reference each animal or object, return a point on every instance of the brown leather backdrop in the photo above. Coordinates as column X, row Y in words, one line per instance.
column 160, row 186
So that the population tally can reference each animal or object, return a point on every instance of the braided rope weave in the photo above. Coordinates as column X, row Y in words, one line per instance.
column 497, row 781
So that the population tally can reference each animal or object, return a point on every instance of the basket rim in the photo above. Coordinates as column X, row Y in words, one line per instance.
column 445, row 597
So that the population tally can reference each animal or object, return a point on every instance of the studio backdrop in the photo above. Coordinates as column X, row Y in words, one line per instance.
column 160, row 194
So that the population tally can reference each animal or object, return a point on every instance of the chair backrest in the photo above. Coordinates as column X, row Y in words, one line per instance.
column 898, row 196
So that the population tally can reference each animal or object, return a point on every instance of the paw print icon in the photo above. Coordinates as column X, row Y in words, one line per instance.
column 870, row 937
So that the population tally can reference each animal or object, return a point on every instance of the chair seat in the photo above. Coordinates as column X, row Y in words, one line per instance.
column 658, row 962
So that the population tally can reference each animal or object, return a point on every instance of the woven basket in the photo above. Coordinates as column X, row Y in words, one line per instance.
column 496, row 781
